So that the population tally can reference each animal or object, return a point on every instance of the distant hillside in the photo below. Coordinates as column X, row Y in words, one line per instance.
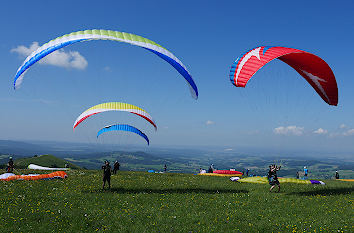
column 20, row 148
column 258, row 165
column 178, row 159
column 44, row 160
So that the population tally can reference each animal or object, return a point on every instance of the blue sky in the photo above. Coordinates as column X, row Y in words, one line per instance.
column 277, row 108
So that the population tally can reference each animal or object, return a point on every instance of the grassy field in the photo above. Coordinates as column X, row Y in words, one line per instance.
column 143, row 202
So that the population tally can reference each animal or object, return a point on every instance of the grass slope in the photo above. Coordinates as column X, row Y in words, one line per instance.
column 44, row 160
column 143, row 202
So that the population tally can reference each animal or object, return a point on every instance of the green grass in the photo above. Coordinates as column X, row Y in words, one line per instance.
column 143, row 202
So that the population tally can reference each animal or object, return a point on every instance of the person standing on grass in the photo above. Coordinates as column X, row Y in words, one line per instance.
column 306, row 172
column 297, row 175
column 106, row 174
column 211, row 168
column 337, row 175
column 116, row 167
column 273, row 177
column 10, row 166
column 165, row 168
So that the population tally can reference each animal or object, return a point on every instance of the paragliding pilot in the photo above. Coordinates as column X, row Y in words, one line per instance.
column 211, row 168
column 116, row 167
column 10, row 166
column 273, row 177
column 337, row 175
column 106, row 174
column 306, row 172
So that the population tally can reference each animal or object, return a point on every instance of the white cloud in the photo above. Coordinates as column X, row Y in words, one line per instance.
column 228, row 149
column 209, row 122
column 289, row 130
column 349, row 132
column 61, row 58
column 24, row 51
column 342, row 126
column 320, row 131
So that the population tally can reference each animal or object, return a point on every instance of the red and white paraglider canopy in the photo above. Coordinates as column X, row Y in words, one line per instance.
column 315, row 70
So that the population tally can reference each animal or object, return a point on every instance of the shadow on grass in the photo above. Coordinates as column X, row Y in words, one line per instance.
column 325, row 192
column 166, row 191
